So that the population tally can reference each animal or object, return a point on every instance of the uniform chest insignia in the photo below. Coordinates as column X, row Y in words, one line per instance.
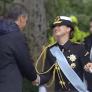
column 72, row 57
column 73, row 65
column 86, row 53
column 57, row 20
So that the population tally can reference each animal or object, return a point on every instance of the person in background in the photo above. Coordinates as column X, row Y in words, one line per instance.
column 88, row 46
column 15, row 60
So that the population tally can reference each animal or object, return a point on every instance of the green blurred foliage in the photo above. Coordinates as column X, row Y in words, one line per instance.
column 7, row 1
column 79, row 8
column 28, row 87
column 3, row 4
column 78, row 35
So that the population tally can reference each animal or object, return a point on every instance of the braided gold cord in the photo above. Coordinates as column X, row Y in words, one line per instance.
column 36, row 65
column 56, row 69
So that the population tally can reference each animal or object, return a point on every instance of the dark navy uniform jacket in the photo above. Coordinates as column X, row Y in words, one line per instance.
column 82, row 58
column 88, row 45
column 15, row 61
column 88, row 42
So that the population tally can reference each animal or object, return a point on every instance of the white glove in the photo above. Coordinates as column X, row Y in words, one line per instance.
column 88, row 67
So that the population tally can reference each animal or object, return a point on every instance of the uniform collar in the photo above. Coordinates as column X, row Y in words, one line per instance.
column 66, row 46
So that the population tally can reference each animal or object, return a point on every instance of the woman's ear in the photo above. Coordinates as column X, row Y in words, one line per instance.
column 68, row 29
column 21, row 19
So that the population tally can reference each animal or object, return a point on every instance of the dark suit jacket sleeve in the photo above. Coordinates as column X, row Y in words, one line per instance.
column 88, row 43
column 22, row 56
column 49, row 61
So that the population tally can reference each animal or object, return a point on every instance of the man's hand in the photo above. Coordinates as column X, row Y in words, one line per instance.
column 37, row 81
column 88, row 67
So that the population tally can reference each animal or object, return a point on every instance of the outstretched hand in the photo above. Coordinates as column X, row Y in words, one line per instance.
column 88, row 67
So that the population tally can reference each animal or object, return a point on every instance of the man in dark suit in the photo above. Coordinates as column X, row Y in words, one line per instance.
column 15, row 61
column 88, row 46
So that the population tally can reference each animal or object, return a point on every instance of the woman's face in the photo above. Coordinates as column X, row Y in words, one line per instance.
column 60, row 31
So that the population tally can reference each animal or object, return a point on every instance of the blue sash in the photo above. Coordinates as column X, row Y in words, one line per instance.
column 91, row 54
column 67, row 70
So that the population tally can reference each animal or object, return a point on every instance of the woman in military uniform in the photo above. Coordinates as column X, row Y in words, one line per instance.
column 75, row 54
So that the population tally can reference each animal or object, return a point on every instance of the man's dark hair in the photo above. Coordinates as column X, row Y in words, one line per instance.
column 16, row 10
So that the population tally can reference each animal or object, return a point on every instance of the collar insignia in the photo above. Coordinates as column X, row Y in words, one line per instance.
column 72, row 57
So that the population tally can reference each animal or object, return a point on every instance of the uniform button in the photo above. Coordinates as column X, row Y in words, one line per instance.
column 62, row 50
column 68, row 89
column 68, row 50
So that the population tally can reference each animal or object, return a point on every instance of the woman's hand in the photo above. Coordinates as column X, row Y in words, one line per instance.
column 88, row 67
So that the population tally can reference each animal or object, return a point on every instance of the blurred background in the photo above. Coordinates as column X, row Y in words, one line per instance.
column 41, row 15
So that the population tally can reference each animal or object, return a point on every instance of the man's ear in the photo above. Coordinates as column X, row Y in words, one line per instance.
column 20, row 19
